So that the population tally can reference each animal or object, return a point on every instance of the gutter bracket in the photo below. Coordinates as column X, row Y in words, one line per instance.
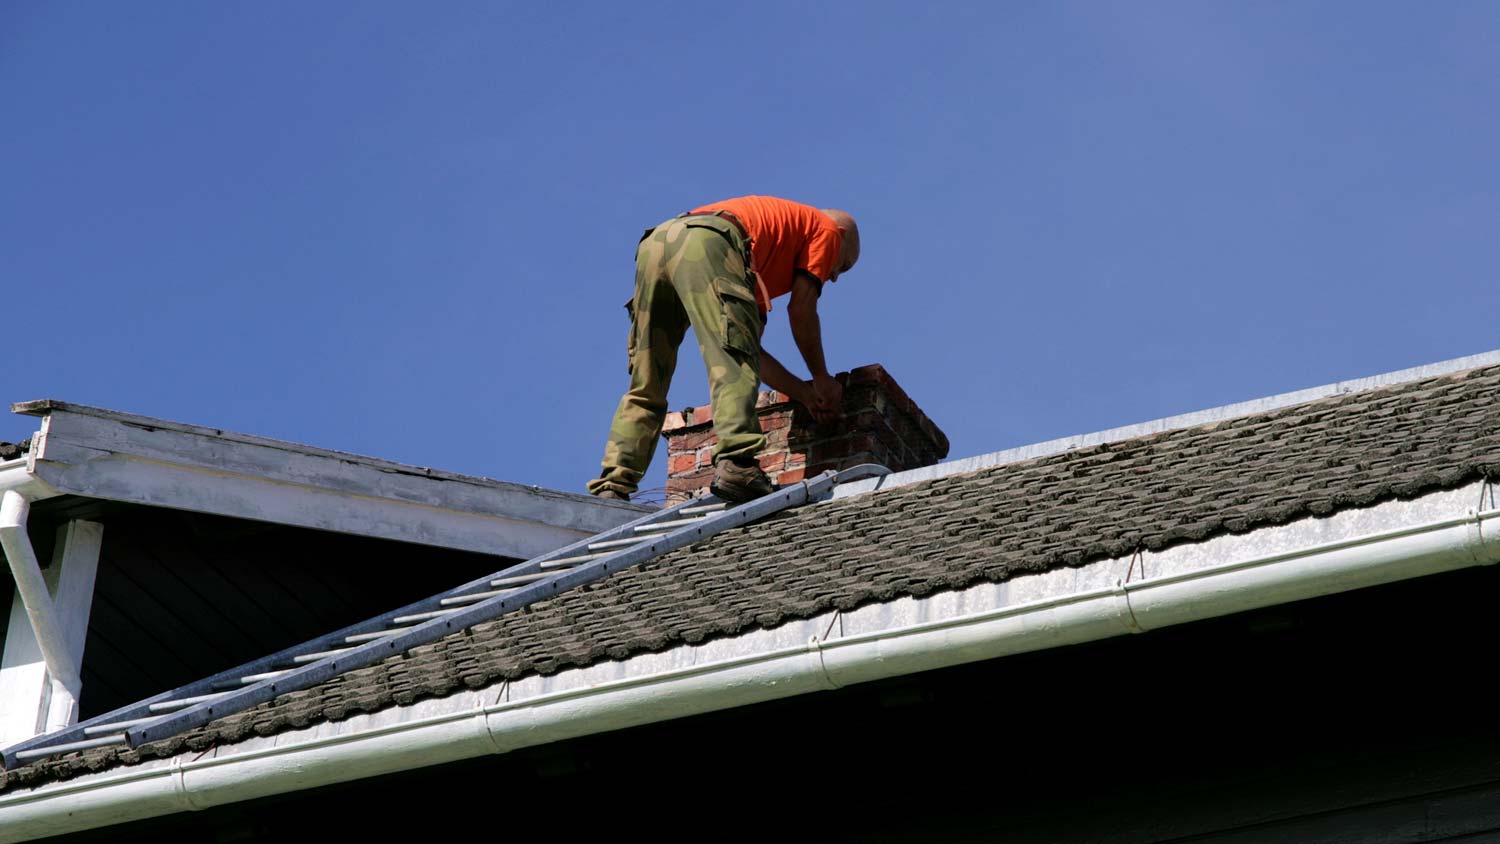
column 1474, row 540
column 1123, row 610
column 815, row 647
column 178, row 774
column 482, row 716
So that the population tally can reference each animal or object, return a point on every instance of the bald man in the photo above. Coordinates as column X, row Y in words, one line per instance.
column 717, row 268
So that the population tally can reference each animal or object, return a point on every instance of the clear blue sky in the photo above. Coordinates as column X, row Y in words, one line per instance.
column 407, row 229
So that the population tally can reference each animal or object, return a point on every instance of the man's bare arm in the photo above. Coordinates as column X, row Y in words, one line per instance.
column 781, row 379
column 807, row 331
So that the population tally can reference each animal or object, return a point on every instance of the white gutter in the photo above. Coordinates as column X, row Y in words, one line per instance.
column 189, row 784
column 16, row 475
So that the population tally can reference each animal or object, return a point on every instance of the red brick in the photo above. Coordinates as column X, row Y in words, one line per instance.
column 768, row 398
column 938, row 438
column 828, row 450
column 703, row 413
column 689, row 483
column 800, row 435
column 772, row 462
column 776, row 419
column 696, row 476
column 791, row 476
column 879, row 424
column 871, row 374
column 906, row 428
column 859, row 398
column 692, row 440
column 897, row 396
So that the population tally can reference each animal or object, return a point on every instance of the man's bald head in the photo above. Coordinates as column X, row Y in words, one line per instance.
column 849, row 254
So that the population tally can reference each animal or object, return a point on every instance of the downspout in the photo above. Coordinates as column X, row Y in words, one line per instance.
column 63, row 678
column 208, row 780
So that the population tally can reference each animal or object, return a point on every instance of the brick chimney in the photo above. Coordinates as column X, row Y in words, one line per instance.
column 880, row 425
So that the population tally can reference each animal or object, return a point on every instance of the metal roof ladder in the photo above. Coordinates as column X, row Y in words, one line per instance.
column 360, row 645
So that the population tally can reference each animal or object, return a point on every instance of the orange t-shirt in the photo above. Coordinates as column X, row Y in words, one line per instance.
column 785, row 237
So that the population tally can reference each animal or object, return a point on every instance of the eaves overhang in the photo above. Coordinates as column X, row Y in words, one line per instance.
column 113, row 456
column 1390, row 542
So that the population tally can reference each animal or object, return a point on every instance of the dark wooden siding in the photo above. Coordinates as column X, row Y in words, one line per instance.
column 180, row 596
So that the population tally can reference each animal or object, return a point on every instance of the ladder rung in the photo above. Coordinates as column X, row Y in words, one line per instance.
column 370, row 637
column 519, row 579
column 167, row 717
column 184, row 703
column 702, row 508
column 118, row 726
column 252, row 679
column 57, row 749
column 611, row 549
column 320, row 655
column 617, row 543
column 668, row 525
column 423, row 616
column 569, row 562
column 472, row 597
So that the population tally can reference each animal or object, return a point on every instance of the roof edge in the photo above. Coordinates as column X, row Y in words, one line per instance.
column 45, row 407
column 779, row 671
column 1168, row 423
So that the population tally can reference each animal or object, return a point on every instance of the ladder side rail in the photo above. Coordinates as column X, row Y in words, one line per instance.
column 208, row 685
column 534, row 564
column 488, row 610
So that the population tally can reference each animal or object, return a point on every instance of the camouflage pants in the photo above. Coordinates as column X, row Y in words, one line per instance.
column 688, row 271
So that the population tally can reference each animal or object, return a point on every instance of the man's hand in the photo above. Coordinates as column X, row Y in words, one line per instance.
column 805, row 393
column 828, row 398
column 824, row 411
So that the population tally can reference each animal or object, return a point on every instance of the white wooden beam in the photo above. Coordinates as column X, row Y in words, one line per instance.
column 31, row 702
column 101, row 454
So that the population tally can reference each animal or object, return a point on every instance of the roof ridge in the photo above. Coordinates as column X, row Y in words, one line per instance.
column 1179, row 421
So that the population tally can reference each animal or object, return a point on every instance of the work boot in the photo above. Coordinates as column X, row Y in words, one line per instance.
column 739, row 479
column 611, row 495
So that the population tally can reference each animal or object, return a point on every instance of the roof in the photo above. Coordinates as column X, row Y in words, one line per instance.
column 990, row 525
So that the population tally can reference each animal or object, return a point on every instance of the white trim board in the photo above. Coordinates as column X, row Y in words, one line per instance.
column 120, row 457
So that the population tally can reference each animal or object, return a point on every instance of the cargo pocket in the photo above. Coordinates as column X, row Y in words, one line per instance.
column 630, row 341
column 742, row 323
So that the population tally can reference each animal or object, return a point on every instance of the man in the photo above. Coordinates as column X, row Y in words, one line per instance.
column 717, row 268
